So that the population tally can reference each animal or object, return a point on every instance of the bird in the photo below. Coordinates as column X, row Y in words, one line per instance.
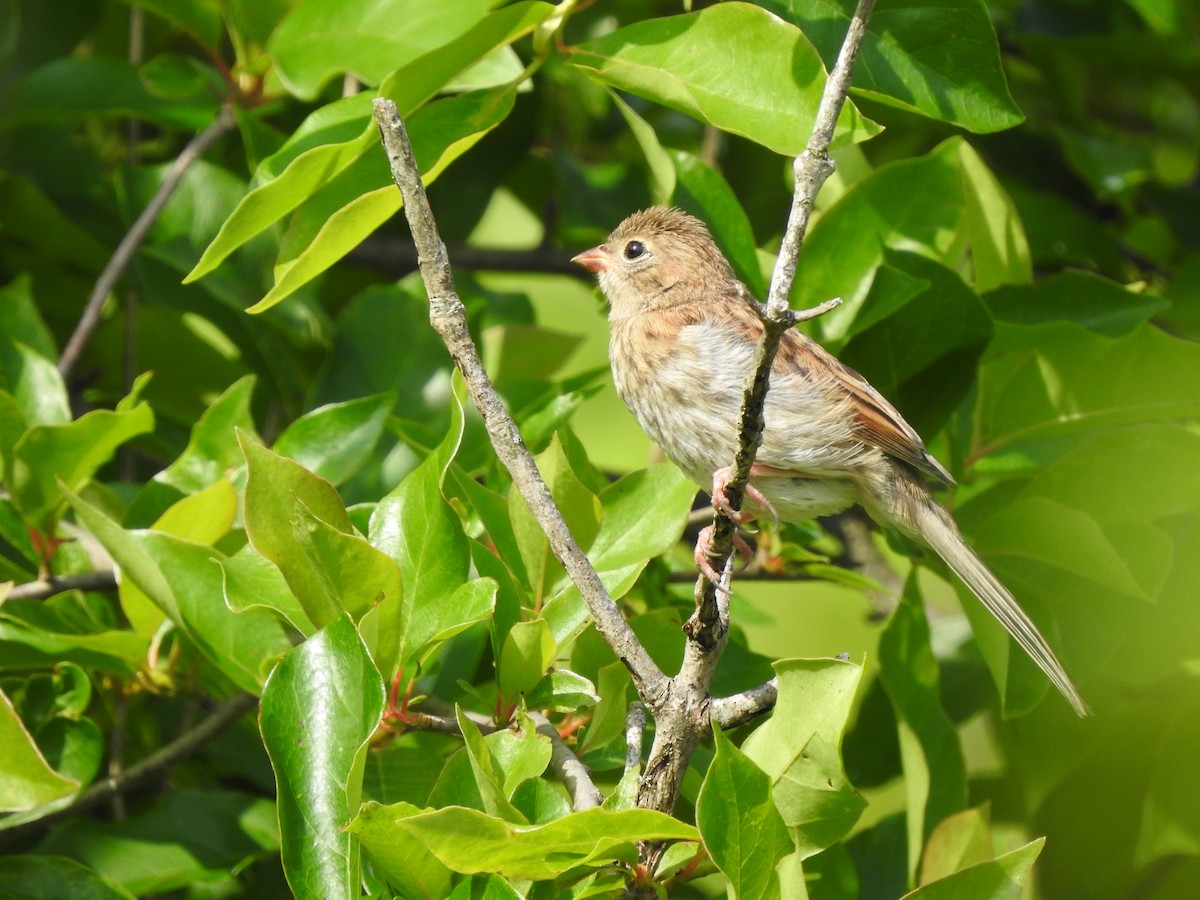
column 683, row 340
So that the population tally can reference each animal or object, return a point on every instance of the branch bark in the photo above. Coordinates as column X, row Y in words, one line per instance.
column 103, row 580
column 686, row 718
column 447, row 314
column 123, row 255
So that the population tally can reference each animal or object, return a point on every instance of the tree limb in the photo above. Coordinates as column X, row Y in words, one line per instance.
column 104, row 580
column 447, row 314
column 685, row 720
column 123, row 255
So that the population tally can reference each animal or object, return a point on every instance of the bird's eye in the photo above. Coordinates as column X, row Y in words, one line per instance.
column 634, row 249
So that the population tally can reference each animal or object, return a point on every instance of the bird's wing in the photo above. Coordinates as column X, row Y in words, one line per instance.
column 877, row 422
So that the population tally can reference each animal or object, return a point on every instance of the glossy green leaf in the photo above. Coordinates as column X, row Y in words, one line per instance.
column 658, row 161
column 741, row 829
column 562, row 690
column 937, row 57
column 211, row 452
column 346, row 209
column 282, row 499
column 54, row 876
column 935, row 779
column 49, row 454
column 528, row 652
column 644, row 515
column 944, row 205
column 799, row 749
column 320, row 706
column 1002, row 878
column 202, row 518
column 34, row 634
column 320, row 40
column 185, row 581
column 251, row 580
column 469, row 841
column 487, row 779
column 430, row 624
column 579, row 506
column 28, row 781
column 733, row 65
column 334, row 441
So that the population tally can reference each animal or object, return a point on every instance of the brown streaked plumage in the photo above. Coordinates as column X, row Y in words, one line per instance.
column 682, row 345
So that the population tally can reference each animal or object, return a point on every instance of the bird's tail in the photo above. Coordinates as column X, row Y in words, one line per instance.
column 924, row 516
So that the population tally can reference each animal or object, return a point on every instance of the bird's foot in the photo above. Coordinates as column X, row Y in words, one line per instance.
column 704, row 551
column 721, row 503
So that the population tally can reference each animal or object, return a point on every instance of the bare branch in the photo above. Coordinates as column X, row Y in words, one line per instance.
column 737, row 709
column 681, row 723
column 123, row 255
column 635, row 728
column 448, row 317
column 105, row 580
column 570, row 771
column 153, row 767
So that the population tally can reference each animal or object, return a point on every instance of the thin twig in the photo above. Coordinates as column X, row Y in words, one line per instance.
column 104, row 580
column 152, row 767
column 682, row 722
column 737, row 709
column 123, row 255
column 448, row 317
column 570, row 771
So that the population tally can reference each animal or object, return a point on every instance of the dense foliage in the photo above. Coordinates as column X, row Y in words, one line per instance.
column 202, row 506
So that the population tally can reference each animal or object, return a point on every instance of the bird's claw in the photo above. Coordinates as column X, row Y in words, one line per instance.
column 704, row 552
column 721, row 504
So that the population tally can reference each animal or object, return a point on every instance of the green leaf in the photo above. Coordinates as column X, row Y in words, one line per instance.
column 658, row 161
column 185, row 581
column 943, row 205
column 470, row 842
column 644, row 515
column 211, row 452
column 335, row 440
column 562, row 690
column 70, row 454
column 528, row 652
column 1002, row 878
column 733, row 65
column 939, row 58
column 935, row 779
column 34, row 634
column 319, row 39
column 189, row 837
column 27, row 781
column 320, row 707
column 1084, row 298
column 741, row 829
column 283, row 499
column 1056, row 379
column 199, row 18
column 35, row 384
column 959, row 841
column 54, row 876
column 421, row 531
column 430, row 624
column 703, row 191
column 487, row 780
column 348, row 208
column 580, row 508
column 251, row 580
column 799, row 749
column 69, row 88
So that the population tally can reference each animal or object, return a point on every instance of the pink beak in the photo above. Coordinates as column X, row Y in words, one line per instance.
column 595, row 260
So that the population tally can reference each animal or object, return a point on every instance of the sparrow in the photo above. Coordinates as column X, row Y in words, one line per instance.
column 683, row 340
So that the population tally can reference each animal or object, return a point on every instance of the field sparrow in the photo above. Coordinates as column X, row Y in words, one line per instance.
column 683, row 342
